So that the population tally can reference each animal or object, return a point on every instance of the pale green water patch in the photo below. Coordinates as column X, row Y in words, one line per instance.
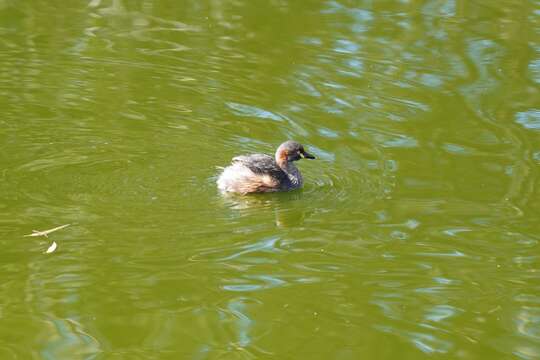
column 416, row 234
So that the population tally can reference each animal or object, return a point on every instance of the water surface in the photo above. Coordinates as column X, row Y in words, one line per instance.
column 416, row 234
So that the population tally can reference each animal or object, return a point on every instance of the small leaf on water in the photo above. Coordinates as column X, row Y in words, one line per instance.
column 51, row 248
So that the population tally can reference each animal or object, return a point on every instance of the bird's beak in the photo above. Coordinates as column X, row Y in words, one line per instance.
column 307, row 155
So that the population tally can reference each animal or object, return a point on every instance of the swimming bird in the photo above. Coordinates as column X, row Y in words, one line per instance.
column 263, row 173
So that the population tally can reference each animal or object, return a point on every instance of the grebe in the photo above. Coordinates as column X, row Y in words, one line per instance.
column 262, row 173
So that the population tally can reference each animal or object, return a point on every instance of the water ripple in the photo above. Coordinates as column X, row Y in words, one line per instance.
column 416, row 228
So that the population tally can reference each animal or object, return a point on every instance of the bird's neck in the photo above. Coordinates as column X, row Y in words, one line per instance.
column 293, row 174
column 290, row 169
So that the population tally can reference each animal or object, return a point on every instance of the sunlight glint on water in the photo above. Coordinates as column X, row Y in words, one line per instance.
column 416, row 233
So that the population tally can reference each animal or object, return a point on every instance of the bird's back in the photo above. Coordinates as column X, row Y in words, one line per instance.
column 253, row 173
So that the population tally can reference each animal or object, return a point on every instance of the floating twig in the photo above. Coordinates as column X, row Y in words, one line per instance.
column 46, row 232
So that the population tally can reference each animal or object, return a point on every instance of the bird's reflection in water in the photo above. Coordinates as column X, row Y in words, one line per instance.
column 287, row 209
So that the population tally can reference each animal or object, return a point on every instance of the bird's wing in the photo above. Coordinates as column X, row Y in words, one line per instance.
column 260, row 164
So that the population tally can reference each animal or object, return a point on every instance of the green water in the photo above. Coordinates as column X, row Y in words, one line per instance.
column 416, row 234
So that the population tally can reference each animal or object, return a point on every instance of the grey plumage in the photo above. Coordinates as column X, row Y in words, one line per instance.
column 262, row 164
column 264, row 173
